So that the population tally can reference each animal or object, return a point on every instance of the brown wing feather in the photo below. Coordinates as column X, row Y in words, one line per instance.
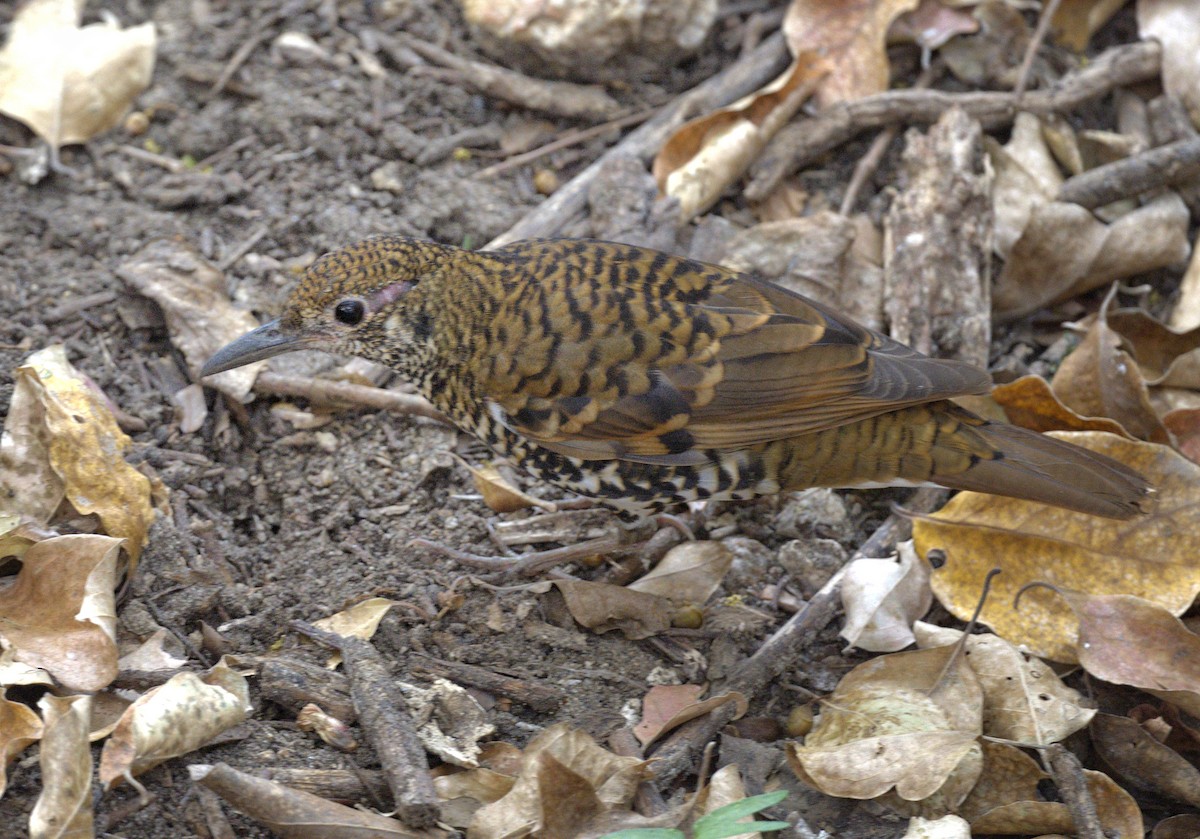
column 685, row 357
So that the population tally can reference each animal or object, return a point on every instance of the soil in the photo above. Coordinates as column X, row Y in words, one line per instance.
column 271, row 523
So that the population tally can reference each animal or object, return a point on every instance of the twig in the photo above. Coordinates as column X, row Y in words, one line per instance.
column 1164, row 166
column 347, row 393
column 564, row 99
column 1035, row 43
column 230, row 259
column 161, row 160
column 76, row 305
column 1068, row 776
column 800, row 143
column 531, row 692
column 244, row 51
column 743, row 76
column 388, row 728
column 571, row 138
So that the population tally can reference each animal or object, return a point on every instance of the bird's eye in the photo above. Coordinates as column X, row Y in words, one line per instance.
column 349, row 312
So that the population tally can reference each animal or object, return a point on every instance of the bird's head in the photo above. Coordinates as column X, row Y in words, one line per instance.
column 369, row 299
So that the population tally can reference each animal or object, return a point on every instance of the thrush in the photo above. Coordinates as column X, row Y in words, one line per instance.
column 645, row 380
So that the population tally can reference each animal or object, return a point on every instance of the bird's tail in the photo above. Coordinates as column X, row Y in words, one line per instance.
column 941, row 443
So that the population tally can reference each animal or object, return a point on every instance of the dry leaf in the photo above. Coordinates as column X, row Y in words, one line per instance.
column 294, row 814
column 60, row 613
column 1007, row 799
column 1166, row 357
column 151, row 655
column 602, row 608
column 1101, row 379
column 329, row 728
column 947, row 827
column 882, row 598
column 359, row 621
column 64, row 807
column 725, row 787
column 851, row 38
column 19, row 726
column 666, row 707
column 499, row 494
column 688, row 574
column 1030, row 402
column 450, row 721
column 1186, row 314
column 1176, row 25
column 566, row 782
column 704, row 156
column 1130, row 641
column 1054, row 250
column 1023, row 699
column 192, row 294
column 69, row 83
column 1144, row 556
column 905, row 721
column 82, row 444
column 932, row 24
column 461, row 794
column 1143, row 761
column 173, row 719
column 1076, row 21
column 1184, row 425
column 1183, row 826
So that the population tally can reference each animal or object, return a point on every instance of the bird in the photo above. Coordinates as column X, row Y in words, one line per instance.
column 644, row 380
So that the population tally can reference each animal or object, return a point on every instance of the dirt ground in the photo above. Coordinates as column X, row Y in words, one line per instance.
column 272, row 523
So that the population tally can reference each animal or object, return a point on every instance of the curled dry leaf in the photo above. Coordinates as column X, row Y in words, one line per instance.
column 1023, row 699
column 173, row 719
column 1054, row 250
column 450, row 721
column 294, row 814
column 1130, row 641
column 1166, row 357
column 68, row 83
column 60, row 613
column 1144, row 762
column 462, row 793
column 499, row 494
column 706, row 155
column 64, row 808
column 1031, row 542
column 151, row 655
column 19, row 726
column 1100, row 378
column 689, row 573
column 566, row 782
column 329, row 728
column 1031, row 403
column 200, row 317
column 851, row 38
column 1176, row 25
column 602, row 608
column 83, row 446
column 906, row 722
column 883, row 597
column 666, row 707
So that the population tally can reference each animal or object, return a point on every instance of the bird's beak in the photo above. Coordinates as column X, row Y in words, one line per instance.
column 267, row 341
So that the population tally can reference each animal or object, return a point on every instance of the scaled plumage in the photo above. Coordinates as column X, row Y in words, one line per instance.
column 646, row 380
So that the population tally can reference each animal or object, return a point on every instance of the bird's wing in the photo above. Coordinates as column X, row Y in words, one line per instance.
column 632, row 354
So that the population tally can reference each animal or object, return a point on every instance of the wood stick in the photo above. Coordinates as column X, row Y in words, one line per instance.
column 1164, row 166
column 743, row 76
column 802, row 142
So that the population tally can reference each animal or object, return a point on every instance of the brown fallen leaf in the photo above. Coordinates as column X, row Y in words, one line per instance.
column 84, row 448
column 499, row 494
column 1183, row 826
column 567, row 781
column 1031, row 403
column 905, row 722
column 1023, row 699
column 1130, row 641
column 688, row 574
column 1184, row 425
column 883, row 597
column 1031, row 542
column 359, row 621
column 1176, row 25
column 151, row 655
column 602, row 608
column 1100, row 378
column 1076, row 21
column 932, row 24
column 704, row 156
column 666, row 707
column 60, row 612
column 200, row 317
column 19, row 726
column 68, row 83
column 1143, row 761
column 173, row 719
column 64, row 807
column 463, row 793
column 1165, row 356
column 294, row 814
column 851, row 38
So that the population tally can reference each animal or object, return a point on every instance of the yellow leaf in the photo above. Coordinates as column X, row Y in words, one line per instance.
column 1150, row 556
